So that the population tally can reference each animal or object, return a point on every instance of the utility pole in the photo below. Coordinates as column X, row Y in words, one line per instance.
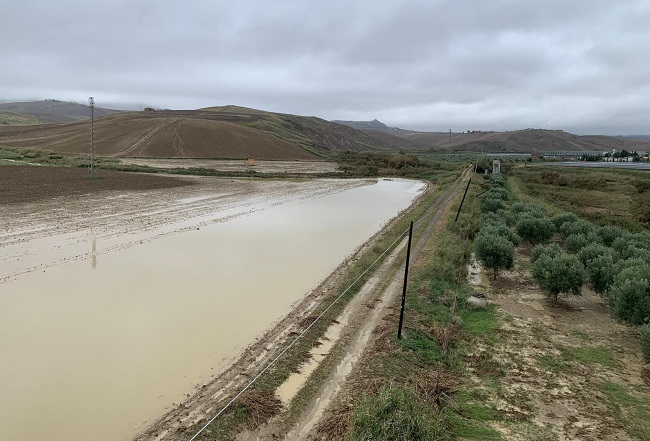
column 93, row 166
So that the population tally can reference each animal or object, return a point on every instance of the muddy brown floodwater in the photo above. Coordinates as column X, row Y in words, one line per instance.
column 112, row 309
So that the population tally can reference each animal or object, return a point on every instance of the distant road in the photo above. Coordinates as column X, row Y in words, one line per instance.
column 591, row 164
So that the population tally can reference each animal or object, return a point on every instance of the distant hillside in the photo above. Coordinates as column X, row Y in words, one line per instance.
column 374, row 124
column 16, row 119
column 218, row 132
column 53, row 111
column 523, row 141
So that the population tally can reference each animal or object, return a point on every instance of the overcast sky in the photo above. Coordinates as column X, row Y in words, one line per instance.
column 578, row 65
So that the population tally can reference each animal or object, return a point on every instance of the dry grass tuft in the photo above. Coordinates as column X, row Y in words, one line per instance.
column 260, row 405
column 336, row 424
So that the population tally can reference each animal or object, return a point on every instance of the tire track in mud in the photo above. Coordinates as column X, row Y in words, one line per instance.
column 35, row 237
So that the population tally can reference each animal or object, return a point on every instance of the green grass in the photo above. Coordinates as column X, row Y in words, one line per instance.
column 581, row 335
column 553, row 363
column 605, row 197
column 634, row 412
column 396, row 413
column 590, row 355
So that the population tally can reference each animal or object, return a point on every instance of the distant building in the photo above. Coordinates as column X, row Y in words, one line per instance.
column 149, row 109
column 496, row 166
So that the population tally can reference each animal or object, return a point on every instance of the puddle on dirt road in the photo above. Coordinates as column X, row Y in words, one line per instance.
column 95, row 349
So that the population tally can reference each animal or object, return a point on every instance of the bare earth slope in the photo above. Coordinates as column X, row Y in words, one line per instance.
column 227, row 132
column 53, row 111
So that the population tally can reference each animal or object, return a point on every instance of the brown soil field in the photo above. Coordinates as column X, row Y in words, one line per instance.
column 159, row 135
column 29, row 184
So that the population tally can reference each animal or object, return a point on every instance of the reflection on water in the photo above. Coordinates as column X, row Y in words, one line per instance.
column 96, row 353
column 93, row 257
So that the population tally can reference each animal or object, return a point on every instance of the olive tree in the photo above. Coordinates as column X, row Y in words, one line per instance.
column 495, row 252
column 579, row 227
column 562, row 218
column 562, row 274
column 629, row 293
column 535, row 229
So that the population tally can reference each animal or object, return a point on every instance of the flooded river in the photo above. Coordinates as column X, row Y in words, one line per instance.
column 95, row 348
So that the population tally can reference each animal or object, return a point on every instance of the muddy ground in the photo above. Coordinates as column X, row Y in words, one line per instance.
column 563, row 371
column 31, row 184
column 239, row 165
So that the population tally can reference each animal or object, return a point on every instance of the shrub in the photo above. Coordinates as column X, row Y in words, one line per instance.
column 535, row 229
column 562, row 274
column 609, row 233
column 593, row 250
column 497, row 180
column 492, row 218
column 644, row 331
column 629, row 293
column 490, row 205
column 634, row 252
column 601, row 272
column 560, row 219
column 503, row 231
column 579, row 227
column 520, row 210
column 495, row 252
column 497, row 193
column 576, row 242
column 551, row 250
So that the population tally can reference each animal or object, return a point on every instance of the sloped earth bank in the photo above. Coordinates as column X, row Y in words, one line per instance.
column 114, row 305
column 352, row 332
column 562, row 371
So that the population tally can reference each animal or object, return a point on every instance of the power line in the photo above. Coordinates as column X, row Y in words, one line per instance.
column 294, row 341
column 444, row 197
column 93, row 165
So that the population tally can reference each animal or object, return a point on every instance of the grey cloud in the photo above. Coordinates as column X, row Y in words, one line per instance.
column 430, row 65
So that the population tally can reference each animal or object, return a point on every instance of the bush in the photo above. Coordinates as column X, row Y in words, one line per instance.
column 562, row 274
column 579, row 227
column 601, row 272
column 551, row 250
column 629, row 294
column 495, row 252
column 497, row 180
column 593, row 250
column 491, row 218
column 609, row 233
column 497, row 193
column 503, row 231
column 560, row 219
column 644, row 331
column 490, row 205
column 576, row 242
column 520, row 210
column 535, row 229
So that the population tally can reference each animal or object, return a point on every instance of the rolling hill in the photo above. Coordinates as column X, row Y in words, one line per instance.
column 53, row 111
column 16, row 119
column 522, row 141
column 216, row 132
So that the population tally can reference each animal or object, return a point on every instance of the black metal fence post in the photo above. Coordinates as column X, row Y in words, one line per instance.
column 406, row 275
